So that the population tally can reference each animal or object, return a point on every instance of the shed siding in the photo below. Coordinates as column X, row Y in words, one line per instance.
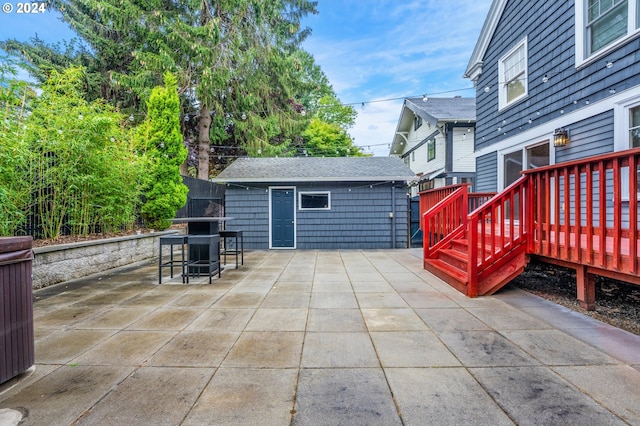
column 550, row 31
column 250, row 211
column 358, row 218
column 487, row 173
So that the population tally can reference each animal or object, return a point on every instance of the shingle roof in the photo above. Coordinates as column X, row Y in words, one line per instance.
column 310, row 169
column 444, row 109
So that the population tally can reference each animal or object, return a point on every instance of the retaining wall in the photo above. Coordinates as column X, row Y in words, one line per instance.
column 64, row 262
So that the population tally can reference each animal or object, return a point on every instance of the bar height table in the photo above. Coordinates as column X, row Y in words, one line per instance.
column 201, row 226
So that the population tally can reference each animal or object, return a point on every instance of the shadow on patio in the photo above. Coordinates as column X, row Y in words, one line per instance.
column 317, row 337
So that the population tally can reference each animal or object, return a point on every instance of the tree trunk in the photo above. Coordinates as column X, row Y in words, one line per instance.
column 204, row 144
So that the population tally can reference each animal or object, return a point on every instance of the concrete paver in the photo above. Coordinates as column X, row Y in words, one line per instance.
column 317, row 338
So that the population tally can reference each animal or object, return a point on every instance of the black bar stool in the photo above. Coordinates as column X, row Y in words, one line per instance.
column 172, row 240
column 237, row 250
column 203, row 255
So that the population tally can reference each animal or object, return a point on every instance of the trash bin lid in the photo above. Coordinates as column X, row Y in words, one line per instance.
column 9, row 244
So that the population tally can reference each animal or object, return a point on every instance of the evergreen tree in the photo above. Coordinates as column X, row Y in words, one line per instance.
column 161, row 140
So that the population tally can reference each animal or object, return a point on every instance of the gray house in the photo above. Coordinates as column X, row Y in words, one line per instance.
column 318, row 203
column 567, row 71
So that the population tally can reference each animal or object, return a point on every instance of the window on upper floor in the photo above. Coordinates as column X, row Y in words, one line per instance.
column 417, row 122
column 431, row 149
column 512, row 75
column 602, row 24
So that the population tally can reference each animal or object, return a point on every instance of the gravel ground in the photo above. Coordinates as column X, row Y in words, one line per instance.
column 617, row 302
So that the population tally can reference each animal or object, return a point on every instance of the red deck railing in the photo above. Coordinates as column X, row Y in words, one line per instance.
column 586, row 212
column 431, row 197
column 582, row 214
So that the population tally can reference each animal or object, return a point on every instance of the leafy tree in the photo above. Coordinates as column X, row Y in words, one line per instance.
column 324, row 139
column 161, row 140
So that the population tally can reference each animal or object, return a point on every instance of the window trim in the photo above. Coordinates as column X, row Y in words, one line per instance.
column 622, row 142
column 301, row 193
column 502, row 83
column 633, row 30
column 522, row 148
column 417, row 122
column 429, row 143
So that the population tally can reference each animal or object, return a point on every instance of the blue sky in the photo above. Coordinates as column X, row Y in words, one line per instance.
column 370, row 50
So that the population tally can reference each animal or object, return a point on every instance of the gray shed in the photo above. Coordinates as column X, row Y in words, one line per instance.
column 318, row 203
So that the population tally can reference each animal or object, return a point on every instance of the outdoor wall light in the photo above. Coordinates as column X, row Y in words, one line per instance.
column 561, row 137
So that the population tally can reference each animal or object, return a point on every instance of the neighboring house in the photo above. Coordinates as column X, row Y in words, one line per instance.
column 544, row 66
column 318, row 203
column 434, row 137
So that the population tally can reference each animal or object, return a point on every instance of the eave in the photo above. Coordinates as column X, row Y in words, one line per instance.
column 474, row 68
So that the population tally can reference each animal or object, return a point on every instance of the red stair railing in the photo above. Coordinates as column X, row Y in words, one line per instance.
column 445, row 221
column 431, row 197
column 497, row 232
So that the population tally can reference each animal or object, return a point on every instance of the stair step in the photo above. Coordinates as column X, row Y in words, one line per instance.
column 460, row 245
column 451, row 275
column 455, row 258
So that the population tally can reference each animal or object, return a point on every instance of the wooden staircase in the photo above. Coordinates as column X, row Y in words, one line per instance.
column 580, row 214
column 454, row 238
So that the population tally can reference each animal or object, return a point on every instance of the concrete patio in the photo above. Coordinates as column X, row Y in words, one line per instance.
column 317, row 338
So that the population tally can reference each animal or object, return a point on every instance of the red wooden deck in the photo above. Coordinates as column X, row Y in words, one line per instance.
column 479, row 251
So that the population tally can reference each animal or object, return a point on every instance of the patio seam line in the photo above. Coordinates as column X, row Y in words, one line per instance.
column 375, row 350
column 216, row 369
column 294, row 402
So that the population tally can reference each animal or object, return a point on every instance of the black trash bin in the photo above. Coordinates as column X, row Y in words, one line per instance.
column 16, row 307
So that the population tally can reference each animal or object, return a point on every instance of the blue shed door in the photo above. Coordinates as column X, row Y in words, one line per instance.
column 283, row 218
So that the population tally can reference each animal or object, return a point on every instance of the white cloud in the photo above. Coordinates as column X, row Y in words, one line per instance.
column 369, row 49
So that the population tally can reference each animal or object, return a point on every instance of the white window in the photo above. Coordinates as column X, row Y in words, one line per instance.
column 634, row 127
column 314, row 200
column 633, row 141
column 431, row 149
column 512, row 75
column 603, row 24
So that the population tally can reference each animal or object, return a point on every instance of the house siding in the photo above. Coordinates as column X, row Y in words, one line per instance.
column 487, row 173
column 550, row 31
column 358, row 218
column 463, row 158
column 588, row 137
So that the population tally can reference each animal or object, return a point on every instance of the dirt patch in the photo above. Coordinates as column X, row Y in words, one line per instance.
column 617, row 302
column 66, row 239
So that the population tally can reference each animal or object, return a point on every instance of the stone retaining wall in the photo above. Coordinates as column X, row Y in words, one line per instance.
column 64, row 262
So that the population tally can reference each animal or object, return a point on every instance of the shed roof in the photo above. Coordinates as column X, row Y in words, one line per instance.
column 312, row 169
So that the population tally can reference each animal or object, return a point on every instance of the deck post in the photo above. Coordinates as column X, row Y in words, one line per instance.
column 586, row 285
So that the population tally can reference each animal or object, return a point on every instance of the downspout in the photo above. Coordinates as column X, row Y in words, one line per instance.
column 392, row 215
